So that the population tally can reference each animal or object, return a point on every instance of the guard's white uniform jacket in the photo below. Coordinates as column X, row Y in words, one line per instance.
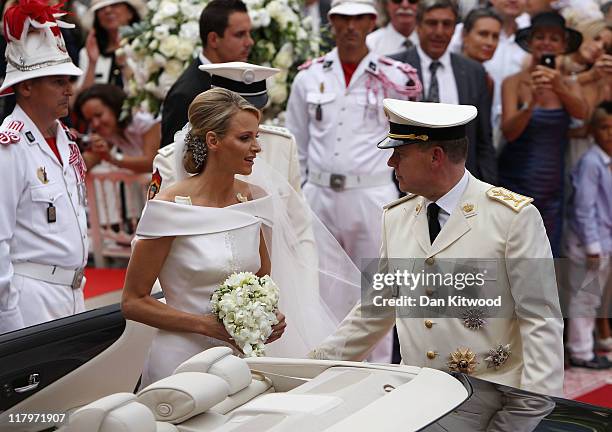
column 337, row 129
column 498, row 231
column 33, row 182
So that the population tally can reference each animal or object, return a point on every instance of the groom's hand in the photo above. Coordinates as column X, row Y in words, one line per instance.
column 278, row 329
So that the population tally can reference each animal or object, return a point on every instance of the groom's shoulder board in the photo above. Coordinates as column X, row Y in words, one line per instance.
column 276, row 130
column 403, row 199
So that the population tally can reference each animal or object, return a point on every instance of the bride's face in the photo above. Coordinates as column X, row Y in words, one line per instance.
column 239, row 147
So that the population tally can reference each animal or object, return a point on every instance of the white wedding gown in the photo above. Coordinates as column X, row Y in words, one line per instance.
column 210, row 244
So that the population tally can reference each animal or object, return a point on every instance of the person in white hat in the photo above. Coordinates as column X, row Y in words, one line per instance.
column 335, row 112
column 43, row 235
column 452, row 221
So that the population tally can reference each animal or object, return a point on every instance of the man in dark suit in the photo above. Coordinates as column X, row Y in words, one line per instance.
column 225, row 30
column 453, row 78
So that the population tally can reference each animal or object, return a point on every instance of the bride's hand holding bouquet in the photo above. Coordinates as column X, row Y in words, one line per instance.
column 247, row 307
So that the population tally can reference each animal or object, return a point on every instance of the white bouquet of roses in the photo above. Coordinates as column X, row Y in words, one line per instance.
column 247, row 304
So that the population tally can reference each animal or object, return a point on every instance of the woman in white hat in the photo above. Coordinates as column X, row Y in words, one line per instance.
column 98, row 58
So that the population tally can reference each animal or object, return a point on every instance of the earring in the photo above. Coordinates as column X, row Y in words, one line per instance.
column 198, row 149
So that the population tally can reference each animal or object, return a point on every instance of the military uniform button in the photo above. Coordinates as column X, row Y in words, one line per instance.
column 429, row 291
column 431, row 355
column 430, row 260
column 428, row 323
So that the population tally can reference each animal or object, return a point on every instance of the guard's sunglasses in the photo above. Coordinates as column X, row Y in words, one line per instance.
column 400, row 1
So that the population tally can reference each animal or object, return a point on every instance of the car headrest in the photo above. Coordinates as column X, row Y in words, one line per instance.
column 219, row 361
column 179, row 397
column 118, row 412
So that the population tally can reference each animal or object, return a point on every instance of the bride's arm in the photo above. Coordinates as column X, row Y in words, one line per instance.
column 147, row 259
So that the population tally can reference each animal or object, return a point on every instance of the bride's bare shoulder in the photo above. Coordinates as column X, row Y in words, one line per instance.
column 249, row 190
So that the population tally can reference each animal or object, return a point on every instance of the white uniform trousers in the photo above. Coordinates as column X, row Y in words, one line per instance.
column 586, row 292
column 41, row 301
column 353, row 216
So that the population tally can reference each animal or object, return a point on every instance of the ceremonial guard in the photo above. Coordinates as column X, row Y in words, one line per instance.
column 335, row 112
column 43, row 234
column 450, row 216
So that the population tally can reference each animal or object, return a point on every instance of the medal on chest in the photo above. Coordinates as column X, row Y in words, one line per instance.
column 77, row 163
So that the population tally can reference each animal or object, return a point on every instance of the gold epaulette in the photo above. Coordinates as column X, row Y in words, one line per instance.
column 513, row 200
column 399, row 201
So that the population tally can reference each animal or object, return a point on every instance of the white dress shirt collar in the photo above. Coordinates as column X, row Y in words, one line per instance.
column 449, row 201
column 447, row 84
column 203, row 58
column 445, row 59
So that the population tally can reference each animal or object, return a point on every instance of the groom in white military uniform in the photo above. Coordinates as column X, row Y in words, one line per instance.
column 43, row 234
column 449, row 214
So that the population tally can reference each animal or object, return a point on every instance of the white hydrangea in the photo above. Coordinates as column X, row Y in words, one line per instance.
column 278, row 94
column 169, row 45
column 185, row 50
column 284, row 57
column 190, row 31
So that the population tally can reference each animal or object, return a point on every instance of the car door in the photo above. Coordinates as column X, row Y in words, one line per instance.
column 60, row 365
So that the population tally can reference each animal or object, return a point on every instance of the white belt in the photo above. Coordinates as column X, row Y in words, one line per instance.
column 340, row 182
column 49, row 273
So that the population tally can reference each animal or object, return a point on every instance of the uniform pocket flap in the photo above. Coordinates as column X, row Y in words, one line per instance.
column 49, row 192
column 320, row 98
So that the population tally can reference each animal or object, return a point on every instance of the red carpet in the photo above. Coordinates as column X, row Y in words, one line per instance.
column 602, row 396
column 103, row 280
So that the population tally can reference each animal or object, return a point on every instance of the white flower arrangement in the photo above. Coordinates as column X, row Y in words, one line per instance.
column 247, row 304
column 161, row 46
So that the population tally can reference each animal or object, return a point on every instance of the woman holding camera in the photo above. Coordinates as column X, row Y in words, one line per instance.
column 537, row 106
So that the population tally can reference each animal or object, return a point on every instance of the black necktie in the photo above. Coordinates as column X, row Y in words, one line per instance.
column 433, row 210
column 407, row 43
column 433, row 95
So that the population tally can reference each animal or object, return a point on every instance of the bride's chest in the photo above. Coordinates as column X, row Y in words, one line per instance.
column 211, row 257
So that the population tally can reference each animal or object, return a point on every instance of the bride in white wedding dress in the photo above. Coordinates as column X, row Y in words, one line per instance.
column 198, row 231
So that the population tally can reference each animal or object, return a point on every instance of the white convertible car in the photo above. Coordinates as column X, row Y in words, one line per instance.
column 79, row 374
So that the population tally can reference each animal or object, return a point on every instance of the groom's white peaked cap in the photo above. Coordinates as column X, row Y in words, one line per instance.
column 421, row 122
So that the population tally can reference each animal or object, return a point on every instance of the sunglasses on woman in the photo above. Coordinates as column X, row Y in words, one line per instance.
column 400, row 1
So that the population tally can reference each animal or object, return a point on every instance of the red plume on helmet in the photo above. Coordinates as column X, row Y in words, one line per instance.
column 40, row 13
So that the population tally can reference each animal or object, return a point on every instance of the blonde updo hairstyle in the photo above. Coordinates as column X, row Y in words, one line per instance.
column 211, row 111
